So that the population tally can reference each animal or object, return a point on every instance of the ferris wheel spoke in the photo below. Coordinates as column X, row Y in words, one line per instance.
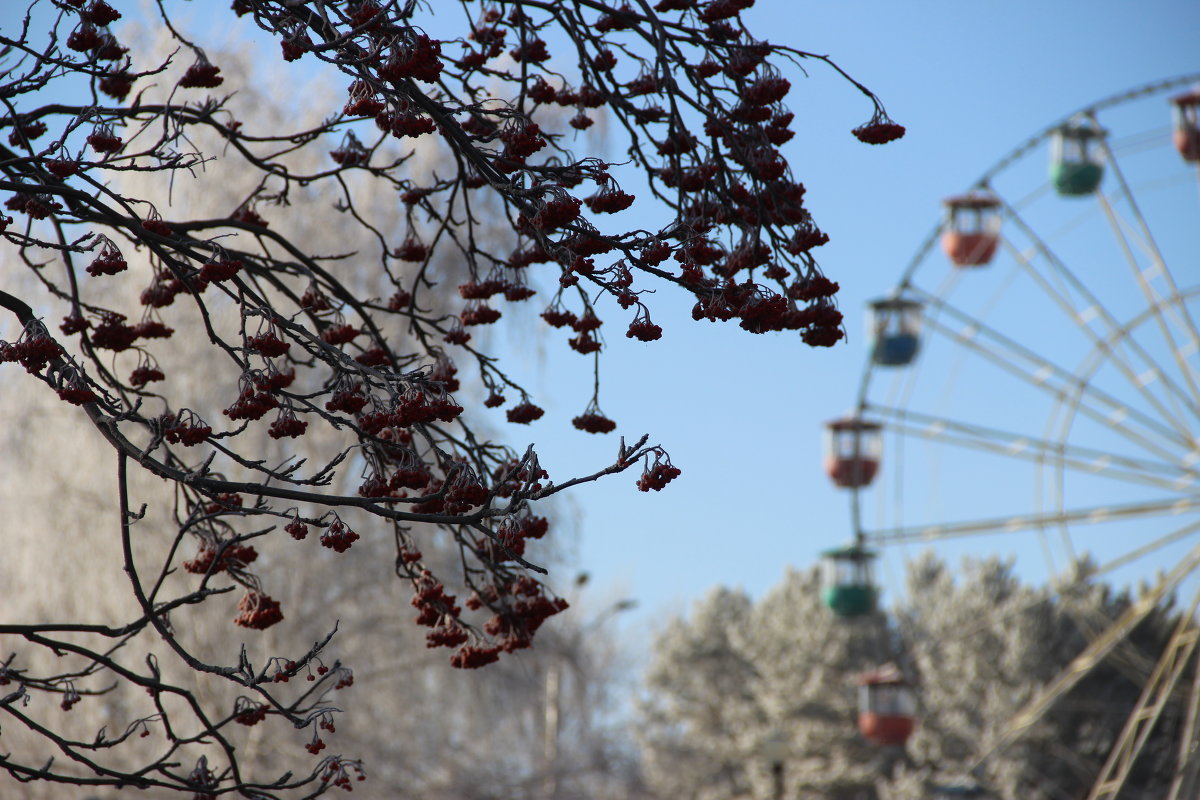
column 1144, row 370
column 1148, row 548
column 1159, row 269
column 1035, row 370
column 1034, row 521
column 911, row 424
column 1165, row 309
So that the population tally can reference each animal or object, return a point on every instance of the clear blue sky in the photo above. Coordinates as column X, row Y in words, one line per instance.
column 740, row 414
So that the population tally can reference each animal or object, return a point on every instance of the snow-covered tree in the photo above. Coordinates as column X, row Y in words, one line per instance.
column 425, row 731
column 735, row 675
column 977, row 645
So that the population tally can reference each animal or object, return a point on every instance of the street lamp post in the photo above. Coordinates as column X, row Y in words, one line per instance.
column 774, row 750
column 552, row 712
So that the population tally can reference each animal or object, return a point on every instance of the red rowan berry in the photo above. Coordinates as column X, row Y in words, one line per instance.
column 524, row 413
column 594, row 422
column 201, row 75
column 339, row 334
column 152, row 329
column 879, row 130
column 258, row 611
column 108, row 262
column 287, row 425
column 73, row 324
column 145, row 374
column 117, row 85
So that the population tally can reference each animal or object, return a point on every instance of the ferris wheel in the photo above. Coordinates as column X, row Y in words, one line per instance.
column 1033, row 388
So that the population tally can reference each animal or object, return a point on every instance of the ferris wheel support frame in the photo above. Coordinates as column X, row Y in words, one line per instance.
column 1089, row 659
column 1175, row 659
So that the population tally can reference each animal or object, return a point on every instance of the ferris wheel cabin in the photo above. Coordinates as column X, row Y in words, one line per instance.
column 1186, row 111
column 852, row 451
column 849, row 589
column 1076, row 160
column 895, row 331
column 972, row 229
column 886, row 707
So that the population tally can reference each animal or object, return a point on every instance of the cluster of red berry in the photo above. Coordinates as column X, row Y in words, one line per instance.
column 145, row 374
column 338, row 537
column 77, row 394
column 812, row 288
column 272, row 379
column 521, row 140
column 201, row 75
column 806, row 237
column 446, row 634
column 609, row 200
column 524, row 413
column 401, row 124
column 558, row 317
column 287, row 425
column 879, row 131
column 296, row 529
column 100, row 45
column 584, row 343
column 471, row 657
column 283, row 670
column 339, row 334
column 33, row 350
column 257, row 611
column 268, row 344
column 225, row 501
column 295, row 45
column 415, row 58
column 103, row 140
column 222, row 270
column 247, row 712
column 463, row 492
column 113, row 333
column 432, row 601
column 351, row 153
column 251, row 404
column 517, row 624
column 363, row 102
column 70, row 697
column 62, row 167
column 415, row 407
column 594, row 422
column 216, row 556
column 556, row 213
column 643, row 329
column 657, row 475
column 37, row 206
column 98, row 12
column 337, row 772
column 184, row 428
column 108, row 262
column 351, row 401
column 479, row 314
column 513, row 476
